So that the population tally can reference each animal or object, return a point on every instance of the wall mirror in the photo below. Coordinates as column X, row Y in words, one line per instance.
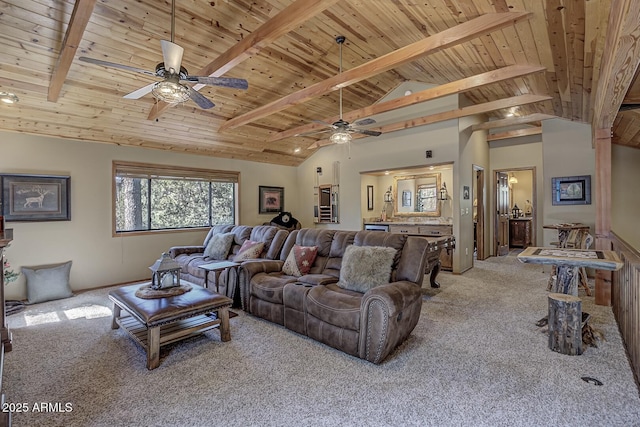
column 417, row 195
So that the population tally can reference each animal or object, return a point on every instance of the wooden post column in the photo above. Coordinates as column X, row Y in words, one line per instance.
column 603, row 210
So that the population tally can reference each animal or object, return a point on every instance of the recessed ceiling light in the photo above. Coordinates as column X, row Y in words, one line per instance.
column 8, row 98
column 386, row 172
column 407, row 92
column 296, row 150
column 509, row 114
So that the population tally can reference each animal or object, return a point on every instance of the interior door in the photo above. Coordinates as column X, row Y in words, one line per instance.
column 502, row 214
column 479, row 201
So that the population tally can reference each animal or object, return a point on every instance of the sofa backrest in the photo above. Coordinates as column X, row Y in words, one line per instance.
column 413, row 260
column 217, row 229
column 341, row 239
column 273, row 238
column 241, row 233
column 319, row 237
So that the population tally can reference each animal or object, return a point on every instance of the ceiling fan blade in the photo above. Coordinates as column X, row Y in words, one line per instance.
column 365, row 122
column 219, row 81
column 313, row 132
column 202, row 101
column 366, row 132
column 114, row 65
column 137, row 94
column 172, row 54
column 320, row 122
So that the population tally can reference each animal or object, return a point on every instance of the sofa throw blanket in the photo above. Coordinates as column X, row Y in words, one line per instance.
column 365, row 267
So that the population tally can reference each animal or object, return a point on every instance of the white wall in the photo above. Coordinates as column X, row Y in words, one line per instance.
column 98, row 258
column 474, row 150
column 567, row 151
column 625, row 202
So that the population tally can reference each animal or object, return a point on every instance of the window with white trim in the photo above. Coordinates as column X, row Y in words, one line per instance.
column 157, row 197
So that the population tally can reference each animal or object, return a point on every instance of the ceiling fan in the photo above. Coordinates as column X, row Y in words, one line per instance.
column 172, row 89
column 341, row 130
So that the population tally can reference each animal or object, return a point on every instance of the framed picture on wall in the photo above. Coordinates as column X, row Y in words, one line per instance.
column 571, row 190
column 270, row 199
column 36, row 198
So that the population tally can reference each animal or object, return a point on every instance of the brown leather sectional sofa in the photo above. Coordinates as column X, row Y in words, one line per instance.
column 367, row 325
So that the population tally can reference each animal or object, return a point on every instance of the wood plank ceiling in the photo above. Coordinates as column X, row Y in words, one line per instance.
column 540, row 60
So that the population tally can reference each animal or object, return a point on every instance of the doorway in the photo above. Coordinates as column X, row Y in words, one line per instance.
column 479, row 213
column 515, row 215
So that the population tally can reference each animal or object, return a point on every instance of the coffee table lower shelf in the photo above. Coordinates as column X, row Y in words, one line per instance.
column 172, row 332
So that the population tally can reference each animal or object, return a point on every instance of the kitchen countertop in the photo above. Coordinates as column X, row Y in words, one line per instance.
column 404, row 222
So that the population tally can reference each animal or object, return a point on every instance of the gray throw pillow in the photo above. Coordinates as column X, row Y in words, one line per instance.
column 219, row 246
column 47, row 283
column 365, row 267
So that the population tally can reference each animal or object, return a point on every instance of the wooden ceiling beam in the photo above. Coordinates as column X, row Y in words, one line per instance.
column 82, row 10
column 458, row 86
column 452, row 114
column 515, row 133
column 474, row 28
column 619, row 63
column 285, row 21
column 511, row 121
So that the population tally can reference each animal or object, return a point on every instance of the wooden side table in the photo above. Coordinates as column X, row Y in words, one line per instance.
column 217, row 268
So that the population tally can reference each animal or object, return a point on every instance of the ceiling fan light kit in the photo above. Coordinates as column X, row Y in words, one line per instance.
column 340, row 137
column 170, row 92
column 8, row 98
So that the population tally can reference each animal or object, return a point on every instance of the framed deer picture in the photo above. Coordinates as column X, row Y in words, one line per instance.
column 35, row 198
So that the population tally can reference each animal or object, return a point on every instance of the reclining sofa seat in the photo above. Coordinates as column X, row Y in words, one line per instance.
column 368, row 325
column 191, row 257
column 262, row 282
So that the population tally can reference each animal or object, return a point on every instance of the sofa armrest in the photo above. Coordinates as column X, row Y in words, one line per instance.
column 388, row 315
column 174, row 251
column 248, row 269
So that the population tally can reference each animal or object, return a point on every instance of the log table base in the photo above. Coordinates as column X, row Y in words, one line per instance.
column 567, row 324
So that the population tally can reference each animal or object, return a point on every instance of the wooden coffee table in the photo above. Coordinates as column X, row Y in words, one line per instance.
column 155, row 322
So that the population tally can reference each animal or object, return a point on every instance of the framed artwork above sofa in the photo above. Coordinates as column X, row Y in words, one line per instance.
column 270, row 199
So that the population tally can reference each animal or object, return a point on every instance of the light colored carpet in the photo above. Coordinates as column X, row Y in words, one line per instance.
column 476, row 358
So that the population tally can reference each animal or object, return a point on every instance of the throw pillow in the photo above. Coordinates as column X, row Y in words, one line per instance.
column 48, row 282
column 218, row 246
column 249, row 250
column 365, row 267
column 299, row 260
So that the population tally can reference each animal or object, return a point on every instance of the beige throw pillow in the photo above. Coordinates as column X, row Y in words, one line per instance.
column 365, row 267
column 219, row 246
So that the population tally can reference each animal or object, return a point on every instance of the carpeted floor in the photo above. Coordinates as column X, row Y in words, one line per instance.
column 476, row 358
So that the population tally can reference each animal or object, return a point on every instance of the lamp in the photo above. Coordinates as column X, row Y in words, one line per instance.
column 516, row 211
column 444, row 194
column 170, row 90
column 388, row 196
column 340, row 137
column 165, row 273
column 8, row 98
column 513, row 179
